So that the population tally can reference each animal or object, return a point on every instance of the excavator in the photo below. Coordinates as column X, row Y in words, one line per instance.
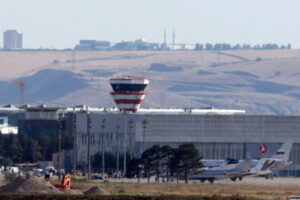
column 65, row 183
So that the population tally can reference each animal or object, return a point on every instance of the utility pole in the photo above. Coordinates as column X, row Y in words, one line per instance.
column 89, row 125
column 125, row 138
column 103, row 154
column 74, row 141
column 118, row 149
column 59, row 143
column 131, row 138
column 144, row 122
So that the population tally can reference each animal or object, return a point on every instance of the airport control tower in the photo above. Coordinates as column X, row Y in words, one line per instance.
column 128, row 92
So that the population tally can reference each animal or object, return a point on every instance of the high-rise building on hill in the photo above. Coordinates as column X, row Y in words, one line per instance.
column 12, row 40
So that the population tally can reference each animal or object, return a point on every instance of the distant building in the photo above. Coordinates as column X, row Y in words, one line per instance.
column 12, row 40
column 182, row 46
column 216, row 133
column 139, row 44
column 9, row 117
column 5, row 128
column 90, row 45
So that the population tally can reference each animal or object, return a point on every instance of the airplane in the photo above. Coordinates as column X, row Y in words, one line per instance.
column 208, row 164
column 266, row 166
column 219, row 173
column 261, row 167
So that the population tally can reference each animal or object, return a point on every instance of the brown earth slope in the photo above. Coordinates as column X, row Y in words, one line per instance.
column 259, row 81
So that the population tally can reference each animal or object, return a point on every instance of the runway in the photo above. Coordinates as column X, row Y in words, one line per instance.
column 277, row 181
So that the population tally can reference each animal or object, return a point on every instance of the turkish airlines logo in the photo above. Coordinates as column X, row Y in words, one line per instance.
column 263, row 149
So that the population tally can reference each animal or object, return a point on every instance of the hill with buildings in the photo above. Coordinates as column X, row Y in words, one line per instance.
column 259, row 81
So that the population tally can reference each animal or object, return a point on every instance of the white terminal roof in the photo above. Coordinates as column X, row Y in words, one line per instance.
column 192, row 111
column 164, row 111
column 80, row 108
column 10, row 108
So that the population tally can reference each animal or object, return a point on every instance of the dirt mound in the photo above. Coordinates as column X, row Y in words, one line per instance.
column 29, row 185
column 96, row 190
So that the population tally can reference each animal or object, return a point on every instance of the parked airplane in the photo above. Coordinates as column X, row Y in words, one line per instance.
column 229, row 162
column 219, row 173
column 266, row 166
column 229, row 168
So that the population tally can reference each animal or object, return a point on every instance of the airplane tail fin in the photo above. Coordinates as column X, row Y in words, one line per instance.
column 283, row 152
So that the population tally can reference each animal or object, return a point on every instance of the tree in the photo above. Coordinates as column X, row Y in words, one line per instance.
column 13, row 149
column 6, row 162
column 96, row 161
column 237, row 46
column 167, row 153
column 199, row 47
column 282, row 47
column 33, row 150
column 186, row 159
column 246, row 46
column 156, row 160
column 44, row 142
column 153, row 160
column 134, row 168
column 149, row 160
column 209, row 47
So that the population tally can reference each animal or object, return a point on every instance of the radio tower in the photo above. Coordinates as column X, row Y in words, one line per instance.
column 22, row 87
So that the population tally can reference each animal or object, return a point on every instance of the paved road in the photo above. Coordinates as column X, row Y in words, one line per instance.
column 262, row 181
column 248, row 180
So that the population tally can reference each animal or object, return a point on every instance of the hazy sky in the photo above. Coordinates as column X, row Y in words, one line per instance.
column 62, row 23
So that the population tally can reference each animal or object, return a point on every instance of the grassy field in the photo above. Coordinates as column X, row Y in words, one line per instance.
column 172, row 191
column 226, row 190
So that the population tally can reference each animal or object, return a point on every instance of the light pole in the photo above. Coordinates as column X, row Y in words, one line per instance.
column 118, row 148
column 144, row 122
column 130, row 138
column 103, row 154
column 59, row 143
column 74, row 141
column 125, row 138
column 89, row 125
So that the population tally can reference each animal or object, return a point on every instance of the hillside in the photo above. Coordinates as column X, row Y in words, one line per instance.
column 259, row 81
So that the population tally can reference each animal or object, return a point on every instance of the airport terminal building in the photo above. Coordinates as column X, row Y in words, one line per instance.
column 218, row 134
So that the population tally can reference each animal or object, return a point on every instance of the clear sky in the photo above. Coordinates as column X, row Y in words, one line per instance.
column 62, row 23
